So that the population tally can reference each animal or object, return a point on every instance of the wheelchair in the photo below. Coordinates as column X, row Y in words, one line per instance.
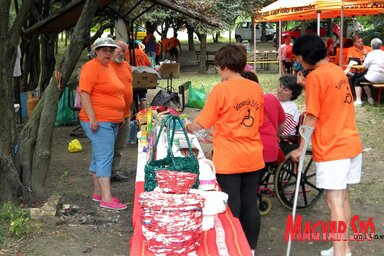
column 280, row 181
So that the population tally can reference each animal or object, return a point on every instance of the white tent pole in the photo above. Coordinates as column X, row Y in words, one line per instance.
column 353, row 25
column 254, row 46
column 279, row 33
column 318, row 22
column 278, row 48
column 341, row 34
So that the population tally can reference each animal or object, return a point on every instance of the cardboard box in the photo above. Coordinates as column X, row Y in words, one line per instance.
column 170, row 70
column 144, row 80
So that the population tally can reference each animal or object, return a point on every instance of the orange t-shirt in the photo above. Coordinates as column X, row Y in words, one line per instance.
column 235, row 108
column 106, row 91
column 142, row 59
column 124, row 73
column 329, row 98
column 164, row 44
column 173, row 42
column 345, row 56
column 355, row 53
column 140, row 56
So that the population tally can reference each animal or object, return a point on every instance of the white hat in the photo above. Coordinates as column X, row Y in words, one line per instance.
column 105, row 42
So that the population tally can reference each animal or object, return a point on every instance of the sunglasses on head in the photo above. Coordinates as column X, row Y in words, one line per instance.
column 306, row 72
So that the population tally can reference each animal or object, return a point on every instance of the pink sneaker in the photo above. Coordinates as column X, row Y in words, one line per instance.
column 97, row 198
column 113, row 205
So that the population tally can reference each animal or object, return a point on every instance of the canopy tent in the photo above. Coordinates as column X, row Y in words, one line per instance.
column 309, row 9
column 282, row 10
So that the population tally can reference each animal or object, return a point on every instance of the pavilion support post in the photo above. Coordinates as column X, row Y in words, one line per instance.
column 254, row 46
column 341, row 36
column 318, row 22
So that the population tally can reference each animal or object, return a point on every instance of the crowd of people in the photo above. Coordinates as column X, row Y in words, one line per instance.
column 249, row 126
column 370, row 59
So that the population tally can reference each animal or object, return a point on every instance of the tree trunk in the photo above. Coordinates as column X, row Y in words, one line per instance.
column 36, row 138
column 303, row 29
column 191, row 45
column 263, row 29
column 31, row 63
column 216, row 37
column 10, row 185
column 66, row 38
column 202, row 69
column 47, row 42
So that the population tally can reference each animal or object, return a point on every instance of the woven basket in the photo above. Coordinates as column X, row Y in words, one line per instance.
column 171, row 223
column 175, row 182
column 188, row 164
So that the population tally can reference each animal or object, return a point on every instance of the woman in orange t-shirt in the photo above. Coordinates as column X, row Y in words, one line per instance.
column 235, row 109
column 102, row 110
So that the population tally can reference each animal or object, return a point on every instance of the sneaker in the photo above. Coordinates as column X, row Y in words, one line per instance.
column 119, row 177
column 371, row 101
column 97, row 198
column 329, row 252
column 113, row 205
column 358, row 103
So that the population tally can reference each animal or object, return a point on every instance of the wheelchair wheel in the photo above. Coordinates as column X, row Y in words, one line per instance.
column 265, row 205
column 285, row 183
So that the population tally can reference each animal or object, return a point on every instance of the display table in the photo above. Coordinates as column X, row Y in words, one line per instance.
column 226, row 238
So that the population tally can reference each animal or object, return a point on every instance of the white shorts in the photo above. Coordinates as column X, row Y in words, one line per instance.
column 337, row 174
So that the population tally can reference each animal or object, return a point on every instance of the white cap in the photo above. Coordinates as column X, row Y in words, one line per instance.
column 105, row 42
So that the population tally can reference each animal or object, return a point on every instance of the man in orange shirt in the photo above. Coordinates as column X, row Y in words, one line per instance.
column 173, row 44
column 235, row 109
column 140, row 57
column 124, row 73
column 359, row 50
column 164, row 47
column 347, row 43
column 336, row 144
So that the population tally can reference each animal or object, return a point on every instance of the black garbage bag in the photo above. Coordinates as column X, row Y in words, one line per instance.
column 167, row 99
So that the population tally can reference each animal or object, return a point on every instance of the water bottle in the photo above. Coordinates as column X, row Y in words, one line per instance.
column 132, row 132
column 149, row 118
column 204, row 136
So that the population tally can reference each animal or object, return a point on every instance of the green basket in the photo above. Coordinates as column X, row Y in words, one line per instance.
column 170, row 162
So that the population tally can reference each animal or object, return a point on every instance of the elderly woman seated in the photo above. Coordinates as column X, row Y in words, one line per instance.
column 374, row 62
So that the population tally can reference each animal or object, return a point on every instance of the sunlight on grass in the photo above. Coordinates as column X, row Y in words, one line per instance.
column 268, row 82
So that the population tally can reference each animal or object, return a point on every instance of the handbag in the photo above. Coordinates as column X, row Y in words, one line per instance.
column 170, row 162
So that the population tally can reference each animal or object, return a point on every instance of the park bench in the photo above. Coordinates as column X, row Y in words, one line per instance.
column 376, row 89
column 209, row 58
column 264, row 58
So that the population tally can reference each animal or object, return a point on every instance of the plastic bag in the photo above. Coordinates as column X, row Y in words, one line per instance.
column 167, row 99
column 75, row 146
column 196, row 97
column 65, row 115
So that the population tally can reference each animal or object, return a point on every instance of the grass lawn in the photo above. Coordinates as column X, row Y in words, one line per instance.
column 269, row 83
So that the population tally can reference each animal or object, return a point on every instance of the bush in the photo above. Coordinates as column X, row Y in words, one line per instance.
column 14, row 222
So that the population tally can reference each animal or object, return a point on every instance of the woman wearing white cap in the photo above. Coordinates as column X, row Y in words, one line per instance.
column 102, row 100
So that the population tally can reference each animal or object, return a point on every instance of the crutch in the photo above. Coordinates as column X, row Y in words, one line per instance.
column 306, row 133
